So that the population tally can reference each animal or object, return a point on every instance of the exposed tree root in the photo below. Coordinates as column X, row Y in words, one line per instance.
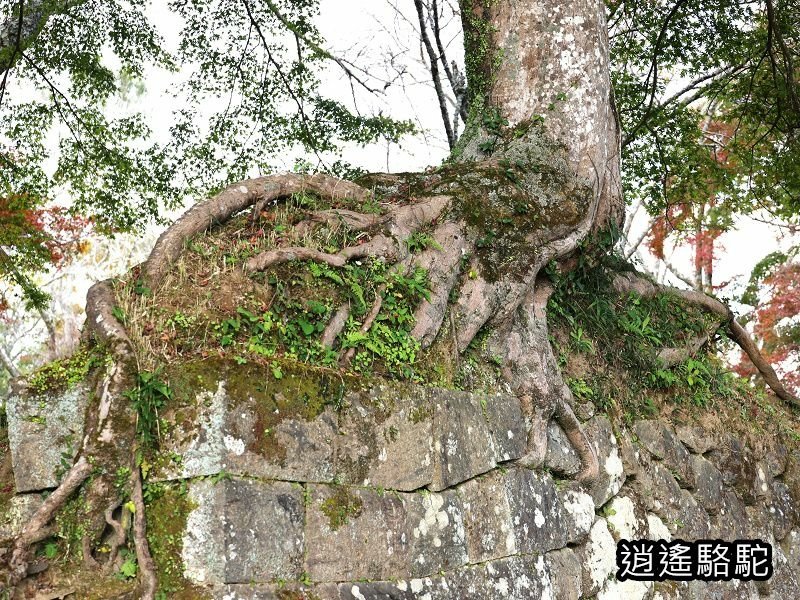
column 335, row 326
column 365, row 326
column 118, row 538
column 271, row 258
column 234, row 199
column 147, row 568
column 108, row 442
column 630, row 282
column 669, row 357
column 513, row 306
column 354, row 221
column 36, row 529
column 442, row 265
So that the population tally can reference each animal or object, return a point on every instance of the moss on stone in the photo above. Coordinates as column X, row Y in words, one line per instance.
column 167, row 509
column 66, row 373
column 341, row 506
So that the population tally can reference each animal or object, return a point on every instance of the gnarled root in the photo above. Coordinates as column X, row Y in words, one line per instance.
column 335, row 326
column 108, row 442
column 234, row 199
column 566, row 419
column 630, row 282
column 365, row 326
column 147, row 568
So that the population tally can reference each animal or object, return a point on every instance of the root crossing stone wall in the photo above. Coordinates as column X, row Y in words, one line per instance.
column 408, row 492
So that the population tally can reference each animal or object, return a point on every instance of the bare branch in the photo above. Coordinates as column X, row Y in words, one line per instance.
column 434, row 68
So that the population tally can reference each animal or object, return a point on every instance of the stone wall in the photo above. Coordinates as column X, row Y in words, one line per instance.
column 414, row 493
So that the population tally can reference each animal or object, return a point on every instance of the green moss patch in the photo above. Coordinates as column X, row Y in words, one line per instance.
column 341, row 506
column 65, row 373
column 167, row 508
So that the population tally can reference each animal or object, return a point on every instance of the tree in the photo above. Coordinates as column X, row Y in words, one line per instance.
column 534, row 175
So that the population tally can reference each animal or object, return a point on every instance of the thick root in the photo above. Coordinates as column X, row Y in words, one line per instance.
column 335, row 326
column 630, row 282
column 234, row 199
column 566, row 419
column 442, row 265
column 118, row 538
column 337, row 217
column 271, row 258
column 365, row 326
column 37, row 529
column 147, row 568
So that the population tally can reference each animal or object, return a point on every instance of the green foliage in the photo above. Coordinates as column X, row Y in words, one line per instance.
column 67, row 372
column 341, row 506
column 82, row 59
column 129, row 567
column 628, row 332
column 389, row 341
column 419, row 241
column 148, row 397
column 763, row 269
column 737, row 82
column 167, row 507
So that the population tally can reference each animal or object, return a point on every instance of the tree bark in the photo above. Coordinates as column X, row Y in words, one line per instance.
column 549, row 61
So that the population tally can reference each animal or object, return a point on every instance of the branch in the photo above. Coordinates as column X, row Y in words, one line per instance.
column 8, row 364
column 437, row 82
column 345, row 65
column 630, row 282
column 452, row 76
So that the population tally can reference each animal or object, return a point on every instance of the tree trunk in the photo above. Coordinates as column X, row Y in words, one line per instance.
column 549, row 61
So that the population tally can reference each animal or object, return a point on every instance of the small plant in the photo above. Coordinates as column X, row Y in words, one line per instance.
column 580, row 342
column 149, row 396
column 65, row 373
column 419, row 241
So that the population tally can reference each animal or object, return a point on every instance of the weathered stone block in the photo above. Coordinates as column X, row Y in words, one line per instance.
column 626, row 517
column 276, row 592
column 244, row 531
column 597, row 557
column 463, row 445
column 697, row 439
column 731, row 521
column 513, row 578
column 536, row 511
column 436, row 532
column 579, row 514
column 630, row 590
column 296, row 449
column 17, row 513
column 659, row 440
column 783, row 513
column 216, row 431
column 354, row 533
column 44, row 433
column 387, row 441
column 561, row 457
column 708, row 484
column 487, row 518
column 691, row 521
column 565, row 574
column 264, row 531
column 612, row 474
column 738, row 467
column 506, row 425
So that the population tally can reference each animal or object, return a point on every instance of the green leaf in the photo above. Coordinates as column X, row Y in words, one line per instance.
column 51, row 550
column 128, row 568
